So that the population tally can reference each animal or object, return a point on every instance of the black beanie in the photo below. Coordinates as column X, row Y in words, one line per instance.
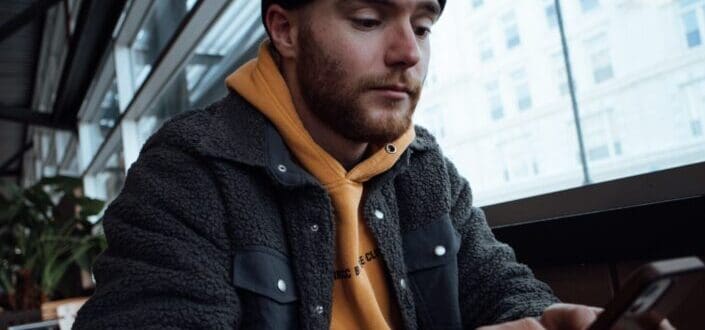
column 292, row 4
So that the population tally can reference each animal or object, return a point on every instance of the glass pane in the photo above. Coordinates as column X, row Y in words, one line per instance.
column 232, row 40
column 61, row 140
column 158, row 28
column 641, row 97
column 110, row 179
column 692, row 31
column 98, row 125
column 71, row 165
column 504, row 121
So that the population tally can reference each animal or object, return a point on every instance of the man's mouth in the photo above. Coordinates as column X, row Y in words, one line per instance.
column 394, row 91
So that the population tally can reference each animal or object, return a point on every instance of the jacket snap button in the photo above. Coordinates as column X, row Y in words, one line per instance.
column 318, row 309
column 440, row 250
column 379, row 214
column 314, row 227
column 402, row 283
column 281, row 285
column 281, row 168
column 390, row 148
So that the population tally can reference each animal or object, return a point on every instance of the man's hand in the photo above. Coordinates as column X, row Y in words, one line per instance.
column 560, row 317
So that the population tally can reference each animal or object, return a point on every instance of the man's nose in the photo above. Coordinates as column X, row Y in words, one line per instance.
column 403, row 50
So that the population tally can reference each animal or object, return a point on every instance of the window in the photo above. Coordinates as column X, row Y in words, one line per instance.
column 600, row 60
column 692, row 32
column 641, row 101
column 107, row 182
column 485, row 47
column 521, row 89
column 519, row 159
column 511, row 30
column 109, row 110
column 154, row 34
column 694, row 103
column 600, row 137
column 551, row 15
column 504, row 156
column 96, row 127
column 651, row 85
column 237, row 32
column 494, row 100
column 588, row 5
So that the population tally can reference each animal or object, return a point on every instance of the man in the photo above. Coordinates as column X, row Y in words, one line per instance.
column 306, row 199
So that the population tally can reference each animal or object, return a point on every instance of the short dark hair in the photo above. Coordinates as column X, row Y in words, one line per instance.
column 294, row 4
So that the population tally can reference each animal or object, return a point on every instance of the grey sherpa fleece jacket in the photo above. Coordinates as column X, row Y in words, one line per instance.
column 217, row 227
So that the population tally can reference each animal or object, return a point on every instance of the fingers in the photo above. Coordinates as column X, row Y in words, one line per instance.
column 523, row 324
column 569, row 316
column 665, row 325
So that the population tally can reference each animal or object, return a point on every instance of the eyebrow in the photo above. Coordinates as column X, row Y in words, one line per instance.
column 430, row 6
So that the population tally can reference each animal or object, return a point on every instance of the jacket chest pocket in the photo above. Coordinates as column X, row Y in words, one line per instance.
column 266, row 288
column 430, row 254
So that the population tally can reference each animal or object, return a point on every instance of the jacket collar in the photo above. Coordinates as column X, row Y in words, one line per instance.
column 238, row 132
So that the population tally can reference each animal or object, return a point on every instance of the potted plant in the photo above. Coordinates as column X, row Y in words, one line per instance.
column 44, row 233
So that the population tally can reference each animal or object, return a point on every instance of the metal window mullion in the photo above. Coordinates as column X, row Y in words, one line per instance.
column 130, row 142
column 123, row 71
column 100, row 85
column 85, row 148
column 71, row 149
column 123, row 76
column 571, row 89
column 134, row 17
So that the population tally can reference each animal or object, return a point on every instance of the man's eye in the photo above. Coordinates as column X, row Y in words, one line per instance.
column 422, row 31
column 366, row 22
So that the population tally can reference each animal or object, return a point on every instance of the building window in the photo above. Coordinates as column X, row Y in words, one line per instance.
column 511, row 30
column 588, row 5
column 600, row 59
column 696, row 127
column 694, row 98
column 692, row 31
column 601, row 141
column 519, row 159
column 521, row 89
column 551, row 15
column 495, row 100
column 154, row 34
column 485, row 46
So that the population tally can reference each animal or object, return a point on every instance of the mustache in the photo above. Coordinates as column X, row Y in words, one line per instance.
column 409, row 84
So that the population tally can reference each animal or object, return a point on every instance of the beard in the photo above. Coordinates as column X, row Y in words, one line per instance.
column 338, row 102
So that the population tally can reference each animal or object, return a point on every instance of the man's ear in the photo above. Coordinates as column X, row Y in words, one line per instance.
column 281, row 24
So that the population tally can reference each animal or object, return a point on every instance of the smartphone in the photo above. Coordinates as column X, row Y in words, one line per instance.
column 650, row 293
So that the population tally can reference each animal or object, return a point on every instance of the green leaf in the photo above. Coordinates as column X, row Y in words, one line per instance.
column 50, row 236
column 89, row 206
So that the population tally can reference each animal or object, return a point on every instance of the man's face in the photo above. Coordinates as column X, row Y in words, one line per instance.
column 361, row 64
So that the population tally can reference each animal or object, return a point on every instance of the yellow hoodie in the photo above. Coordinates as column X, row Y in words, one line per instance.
column 361, row 298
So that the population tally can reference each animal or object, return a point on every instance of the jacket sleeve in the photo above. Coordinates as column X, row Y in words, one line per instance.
column 493, row 286
column 167, row 264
